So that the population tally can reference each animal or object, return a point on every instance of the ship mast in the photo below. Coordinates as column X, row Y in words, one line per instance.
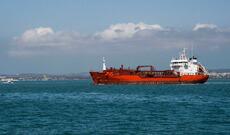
column 183, row 55
column 192, row 51
column 103, row 64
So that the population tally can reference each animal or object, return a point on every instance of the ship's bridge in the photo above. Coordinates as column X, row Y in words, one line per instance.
column 183, row 65
column 175, row 61
column 178, row 64
column 181, row 62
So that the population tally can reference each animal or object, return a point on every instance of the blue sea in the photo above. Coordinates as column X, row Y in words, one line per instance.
column 79, row 107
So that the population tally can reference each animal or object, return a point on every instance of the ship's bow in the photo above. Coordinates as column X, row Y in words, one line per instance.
column 97, row 77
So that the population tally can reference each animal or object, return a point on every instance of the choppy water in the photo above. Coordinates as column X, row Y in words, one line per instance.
column 78, row 107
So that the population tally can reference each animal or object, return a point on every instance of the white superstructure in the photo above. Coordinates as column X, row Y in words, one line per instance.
column 186, row 66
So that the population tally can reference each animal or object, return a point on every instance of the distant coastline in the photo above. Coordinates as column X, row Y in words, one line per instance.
column 45, row 76
column 214, row 74
column 219, row 74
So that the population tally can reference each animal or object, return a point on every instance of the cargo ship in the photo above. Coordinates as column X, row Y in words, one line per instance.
column 183, row 70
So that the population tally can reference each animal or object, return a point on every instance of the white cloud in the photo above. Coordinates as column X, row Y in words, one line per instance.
column 47, row 37
column 126, row 30
column 45, row 40
column 33, row 35
column 200, row 26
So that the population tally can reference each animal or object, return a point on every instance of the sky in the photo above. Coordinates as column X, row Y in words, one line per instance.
column 72, row 36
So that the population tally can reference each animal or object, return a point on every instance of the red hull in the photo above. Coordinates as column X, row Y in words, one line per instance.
column 130, row 77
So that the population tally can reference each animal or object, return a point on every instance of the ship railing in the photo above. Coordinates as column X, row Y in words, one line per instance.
column 151, row 68
column 197, row 73
column 166, row 73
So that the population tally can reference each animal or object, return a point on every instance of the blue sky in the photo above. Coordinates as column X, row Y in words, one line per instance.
column 77, row 33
